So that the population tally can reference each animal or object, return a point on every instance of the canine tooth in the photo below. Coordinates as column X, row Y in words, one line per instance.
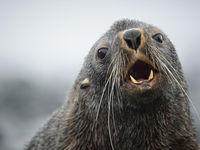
column 133, row 80
column 151, row 75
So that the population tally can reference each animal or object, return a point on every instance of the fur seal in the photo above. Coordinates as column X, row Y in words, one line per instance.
column 129, row 95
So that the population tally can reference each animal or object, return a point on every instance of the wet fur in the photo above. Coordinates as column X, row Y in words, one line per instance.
column 103, row 116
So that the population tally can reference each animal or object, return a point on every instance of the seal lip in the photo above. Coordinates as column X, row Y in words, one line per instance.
column 140, row 71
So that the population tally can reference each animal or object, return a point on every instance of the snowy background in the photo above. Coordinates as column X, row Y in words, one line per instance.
column 43, row 44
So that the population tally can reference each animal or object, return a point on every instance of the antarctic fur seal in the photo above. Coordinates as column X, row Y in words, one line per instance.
column 129, row 95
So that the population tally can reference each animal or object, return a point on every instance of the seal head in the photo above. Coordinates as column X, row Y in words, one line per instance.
column 131, row 61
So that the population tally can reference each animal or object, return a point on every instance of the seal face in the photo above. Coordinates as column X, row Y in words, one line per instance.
column 130, row 56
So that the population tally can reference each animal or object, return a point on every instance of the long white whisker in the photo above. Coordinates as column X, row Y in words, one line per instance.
column 180, row 86
column 157, row 55
column 102, row 97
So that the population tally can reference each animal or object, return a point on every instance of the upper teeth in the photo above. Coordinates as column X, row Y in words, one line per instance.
column 135, row 81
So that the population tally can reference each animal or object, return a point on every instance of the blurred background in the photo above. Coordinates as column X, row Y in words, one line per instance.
column 43, row 44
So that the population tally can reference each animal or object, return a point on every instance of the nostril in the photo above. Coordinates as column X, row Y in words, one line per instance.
column 138, row 40
column 129, row 43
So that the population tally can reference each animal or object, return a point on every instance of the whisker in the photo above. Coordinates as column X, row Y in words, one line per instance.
column 104, row 89
column 171, row 76
column 183, row 90
column 109, row 130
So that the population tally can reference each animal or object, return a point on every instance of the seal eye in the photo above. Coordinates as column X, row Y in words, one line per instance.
column 158, row 37
column 102, row 52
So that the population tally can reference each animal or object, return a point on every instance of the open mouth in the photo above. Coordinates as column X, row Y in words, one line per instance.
column 140, row 72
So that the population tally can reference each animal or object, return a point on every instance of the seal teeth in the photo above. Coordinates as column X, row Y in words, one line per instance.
column 133, row 80
column 151, row 75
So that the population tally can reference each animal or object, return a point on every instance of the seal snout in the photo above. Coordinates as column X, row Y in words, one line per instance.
column 132, row 38
column 140, row 69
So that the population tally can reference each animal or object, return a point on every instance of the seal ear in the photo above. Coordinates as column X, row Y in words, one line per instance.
column 85, row 83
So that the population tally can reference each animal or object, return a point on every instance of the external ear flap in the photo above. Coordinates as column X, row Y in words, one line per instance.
column 85, row 83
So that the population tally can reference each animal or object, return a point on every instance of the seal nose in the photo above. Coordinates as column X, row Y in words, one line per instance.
column 132, row 38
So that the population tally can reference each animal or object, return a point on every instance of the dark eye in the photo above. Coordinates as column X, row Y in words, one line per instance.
column 101, row 53
column 158, row 37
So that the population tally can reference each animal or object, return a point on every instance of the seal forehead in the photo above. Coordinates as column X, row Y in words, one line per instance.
column 127, row 24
